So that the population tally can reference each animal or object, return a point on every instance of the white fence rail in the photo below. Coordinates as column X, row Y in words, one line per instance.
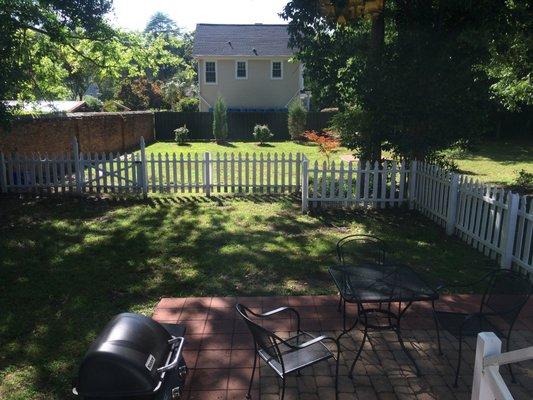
column 353, row 184
column 488, row 383
column 497, row 223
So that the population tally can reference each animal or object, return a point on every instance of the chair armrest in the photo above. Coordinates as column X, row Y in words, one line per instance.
column 444, row 285
column 279, row 310
column 310, row 342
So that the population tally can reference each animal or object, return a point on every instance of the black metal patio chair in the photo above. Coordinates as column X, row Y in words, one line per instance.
column 506, row 292
column 287, row 356
column 358, row 248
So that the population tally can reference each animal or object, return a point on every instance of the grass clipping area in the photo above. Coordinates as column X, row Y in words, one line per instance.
column 68, row 265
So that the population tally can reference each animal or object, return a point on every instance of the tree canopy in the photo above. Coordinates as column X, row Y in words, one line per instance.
column 59, row 21
column 432, row 83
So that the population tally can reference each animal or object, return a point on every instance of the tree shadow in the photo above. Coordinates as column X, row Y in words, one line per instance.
column 69, row 264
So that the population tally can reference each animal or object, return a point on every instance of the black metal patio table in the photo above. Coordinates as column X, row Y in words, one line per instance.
column 375, row 288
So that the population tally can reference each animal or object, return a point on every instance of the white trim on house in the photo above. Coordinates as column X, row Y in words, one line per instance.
column 272, row 70
column 205, row 72
column 245, row 69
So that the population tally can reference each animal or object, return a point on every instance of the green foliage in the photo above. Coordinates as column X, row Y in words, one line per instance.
column 111, row 106
column 262, row 133
column 415, row 81
column 220, row 121
column 59, row 21
column 181, row 86
column 93, row 104
column 161, row 23
column 297, row 119
column 188, row 104
column 181, row 134
column 523, row 183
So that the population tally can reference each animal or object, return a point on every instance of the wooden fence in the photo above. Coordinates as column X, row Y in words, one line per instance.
column 240, row 124
column 496, row 222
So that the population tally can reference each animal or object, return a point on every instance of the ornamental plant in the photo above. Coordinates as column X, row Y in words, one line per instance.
column 297, row 119
column 262, row 133
column 220, row 121
column 327, row 142
column 181, row 134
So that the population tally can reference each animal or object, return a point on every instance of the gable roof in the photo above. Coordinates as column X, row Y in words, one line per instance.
column 241, row 40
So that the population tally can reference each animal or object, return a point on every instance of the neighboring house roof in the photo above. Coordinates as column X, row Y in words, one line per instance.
column 46, row 106
column 259, row 40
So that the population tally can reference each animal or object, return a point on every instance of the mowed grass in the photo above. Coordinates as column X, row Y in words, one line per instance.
column 309, row 149
column 68, row 265
column 496, row 162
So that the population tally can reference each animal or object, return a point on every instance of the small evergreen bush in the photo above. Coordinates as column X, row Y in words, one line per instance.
column 262, row 133
column 181, row 134
column 297, row 119
column 220, row 121
column 188, row 104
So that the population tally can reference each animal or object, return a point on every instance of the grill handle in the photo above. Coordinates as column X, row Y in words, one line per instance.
column 174, row 363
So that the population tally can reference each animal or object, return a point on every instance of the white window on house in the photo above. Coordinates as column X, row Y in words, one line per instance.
column 277, row 70
column 241, row 70
column 211, row 72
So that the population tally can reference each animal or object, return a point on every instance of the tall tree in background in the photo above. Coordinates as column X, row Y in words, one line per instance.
column 161, row 23
column 61, row 21
column 428, row 91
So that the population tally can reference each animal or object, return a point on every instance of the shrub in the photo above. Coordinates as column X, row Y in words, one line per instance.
column 220, row 121
column 188, row 104
column 181, row 134
column 93, row 104
column 523, row 183
column 262, row 133
column 327, row 142
column 297, row 119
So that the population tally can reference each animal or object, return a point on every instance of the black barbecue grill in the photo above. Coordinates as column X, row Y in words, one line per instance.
column 134, row 357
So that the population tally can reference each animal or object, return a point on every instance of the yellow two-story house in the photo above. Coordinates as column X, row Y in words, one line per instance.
column 250, row 66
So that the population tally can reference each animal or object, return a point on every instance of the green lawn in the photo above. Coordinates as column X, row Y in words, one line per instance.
column 494, row 161
column 68, row 265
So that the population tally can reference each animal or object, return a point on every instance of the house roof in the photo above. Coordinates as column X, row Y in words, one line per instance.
column 241, row 40
column 46, row 106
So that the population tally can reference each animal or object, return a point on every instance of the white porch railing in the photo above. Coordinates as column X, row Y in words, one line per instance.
column 488, row 383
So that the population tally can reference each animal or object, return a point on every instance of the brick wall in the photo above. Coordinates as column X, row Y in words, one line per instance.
column 96, row 132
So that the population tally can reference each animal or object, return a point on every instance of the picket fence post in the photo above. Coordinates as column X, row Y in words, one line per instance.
column 305, row 184
column 3, row 173
column 451, row 213
column 412, row 184
column 509, row 229
column 488, row 344
column 207, row 173
column 143, row 172
column 78, row 167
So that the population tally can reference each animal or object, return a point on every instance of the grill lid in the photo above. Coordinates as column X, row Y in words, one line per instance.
column 124, row 359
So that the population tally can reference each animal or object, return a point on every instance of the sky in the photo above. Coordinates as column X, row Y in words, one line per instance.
column 134, row 14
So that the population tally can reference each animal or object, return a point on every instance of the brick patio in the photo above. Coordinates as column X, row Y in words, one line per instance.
column 219, row 352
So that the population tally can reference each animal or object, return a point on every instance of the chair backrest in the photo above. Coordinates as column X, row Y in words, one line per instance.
column 354, row 249
column 263, row 338
column 508, row 291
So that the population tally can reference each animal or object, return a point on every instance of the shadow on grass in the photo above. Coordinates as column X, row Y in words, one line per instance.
column 69, row 264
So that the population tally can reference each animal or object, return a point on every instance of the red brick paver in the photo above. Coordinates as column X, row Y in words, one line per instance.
column 219, row 352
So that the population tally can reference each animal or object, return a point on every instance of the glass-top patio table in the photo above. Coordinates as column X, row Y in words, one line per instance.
column 375, row 288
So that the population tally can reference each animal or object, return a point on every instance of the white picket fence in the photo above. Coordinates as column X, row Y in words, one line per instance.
column 497, row 223
column 353, row 184
column 488, row 383
column 161, row 173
